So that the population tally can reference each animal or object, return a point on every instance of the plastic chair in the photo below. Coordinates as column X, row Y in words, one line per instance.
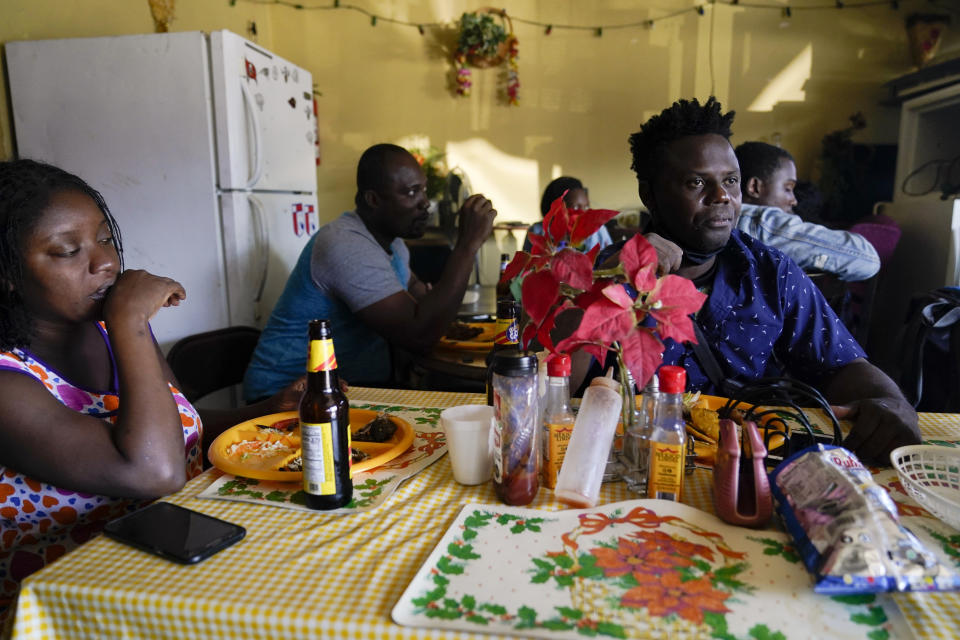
column 213, row 360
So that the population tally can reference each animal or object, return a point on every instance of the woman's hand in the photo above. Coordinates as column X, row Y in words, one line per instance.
column 138, row 294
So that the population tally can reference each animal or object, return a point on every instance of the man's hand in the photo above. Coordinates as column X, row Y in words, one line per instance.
column 669, row 254
column 882, row 418
column 476, row 222
column 880, row 425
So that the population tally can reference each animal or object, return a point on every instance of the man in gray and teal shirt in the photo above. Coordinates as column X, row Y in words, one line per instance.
column 355, row 272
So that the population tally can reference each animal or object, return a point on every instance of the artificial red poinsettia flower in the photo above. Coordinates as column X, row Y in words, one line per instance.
column 624, row 308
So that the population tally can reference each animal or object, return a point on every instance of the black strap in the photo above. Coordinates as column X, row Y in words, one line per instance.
column 708, row 361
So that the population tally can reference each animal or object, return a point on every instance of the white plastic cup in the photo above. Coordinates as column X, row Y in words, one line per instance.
column 468, row 429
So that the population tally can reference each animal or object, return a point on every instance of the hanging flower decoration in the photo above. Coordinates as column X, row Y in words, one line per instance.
column 485, row 43
column 625, row 308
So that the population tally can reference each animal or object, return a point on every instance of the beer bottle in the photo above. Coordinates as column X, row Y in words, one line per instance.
column 507, row 336
column 324, row 426
column 503, row 286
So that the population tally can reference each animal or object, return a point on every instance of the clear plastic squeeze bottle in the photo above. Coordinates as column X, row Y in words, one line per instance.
column 581, row 473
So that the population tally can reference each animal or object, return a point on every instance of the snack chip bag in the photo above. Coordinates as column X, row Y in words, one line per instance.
column 847, row 529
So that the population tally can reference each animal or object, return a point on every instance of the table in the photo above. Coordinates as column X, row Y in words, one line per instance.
column 318, row 575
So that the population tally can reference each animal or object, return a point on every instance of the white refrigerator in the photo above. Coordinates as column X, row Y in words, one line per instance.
column 203, row 146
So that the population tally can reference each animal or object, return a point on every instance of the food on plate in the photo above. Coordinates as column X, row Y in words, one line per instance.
column 358, row 456
column 265, row 451
column 704, row 423
column 380, row 429
column 462, row 331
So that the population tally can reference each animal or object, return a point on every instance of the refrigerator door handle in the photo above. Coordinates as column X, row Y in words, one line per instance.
column 257, row 146
column 263, row 243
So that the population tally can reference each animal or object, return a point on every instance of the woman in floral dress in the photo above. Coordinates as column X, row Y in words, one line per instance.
column 93, row 425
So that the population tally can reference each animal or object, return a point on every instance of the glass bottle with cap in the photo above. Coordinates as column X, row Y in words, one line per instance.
column 516, row 456
column 324, row 426
column 506, row 338
column 581, row 473
column 668, row 438
column 558, row 418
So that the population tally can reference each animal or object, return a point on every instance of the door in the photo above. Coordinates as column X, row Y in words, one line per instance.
column 264, row 234
column 264, row 117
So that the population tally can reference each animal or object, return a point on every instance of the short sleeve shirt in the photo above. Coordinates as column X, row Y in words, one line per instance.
column 765, row 317
column 341, row 270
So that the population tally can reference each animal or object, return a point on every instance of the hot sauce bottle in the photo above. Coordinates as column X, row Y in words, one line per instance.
column 668, row 439
column 324, row 426
column 558, row 419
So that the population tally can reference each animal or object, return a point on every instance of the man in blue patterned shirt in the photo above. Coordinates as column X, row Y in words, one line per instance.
column 763, row 317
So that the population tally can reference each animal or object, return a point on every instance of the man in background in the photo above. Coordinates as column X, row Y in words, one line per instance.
column 768, row 178
column 763, row 316
column 356, row 272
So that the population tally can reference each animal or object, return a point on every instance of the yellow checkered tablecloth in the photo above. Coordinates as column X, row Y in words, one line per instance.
column 314, row 575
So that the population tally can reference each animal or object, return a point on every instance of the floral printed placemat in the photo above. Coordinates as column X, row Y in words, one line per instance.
column 642, row 568
column 370, row 488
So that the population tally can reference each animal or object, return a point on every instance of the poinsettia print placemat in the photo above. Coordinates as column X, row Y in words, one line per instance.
column 370, row 488
column 637, row 569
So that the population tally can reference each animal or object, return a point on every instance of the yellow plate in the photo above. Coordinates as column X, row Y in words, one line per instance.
column 379, row 452
column 481, row 342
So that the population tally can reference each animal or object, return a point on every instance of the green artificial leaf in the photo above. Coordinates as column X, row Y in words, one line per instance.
column 702, row 565
column 589, row 572
column 611, row 629
column 563, row 561
column 543, row 564
column 495, row 609
column 300, row 497
column 874, row 616
column 569, row 612
column 762, row 632
column 477, row 619
column 856, row 598
column 446, row 614
column 276, row 496
column 450, row 603
column 534, row 527
column 527, row 617
column 556, row 625
column 469, row 534
column 565, row 581
column 878, row 634
column 540, row 578
column 464, row 552
column 469, row 603
column 718, row 623
column 446, row 566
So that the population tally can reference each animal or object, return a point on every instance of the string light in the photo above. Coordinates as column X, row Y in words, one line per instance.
column 548, row 28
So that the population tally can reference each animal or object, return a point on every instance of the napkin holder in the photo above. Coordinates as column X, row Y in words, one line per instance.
column 741, row 489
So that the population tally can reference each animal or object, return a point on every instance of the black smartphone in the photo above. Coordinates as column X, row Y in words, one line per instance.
column 174, row 532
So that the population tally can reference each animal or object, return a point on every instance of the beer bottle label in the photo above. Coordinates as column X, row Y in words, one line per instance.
column 558, row 437
column 666, row 471
column 321, row 357
column 507, row 331
column 316, row 451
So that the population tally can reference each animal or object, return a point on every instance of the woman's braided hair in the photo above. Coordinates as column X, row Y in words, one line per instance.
column 683, row 118
column 26, row 188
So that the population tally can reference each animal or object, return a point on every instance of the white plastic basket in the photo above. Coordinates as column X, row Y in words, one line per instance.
column 931, row 475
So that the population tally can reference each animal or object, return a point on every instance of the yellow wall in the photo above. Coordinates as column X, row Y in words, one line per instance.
column 581, row 95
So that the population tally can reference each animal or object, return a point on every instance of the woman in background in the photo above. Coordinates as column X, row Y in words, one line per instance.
column 93, row 424
column 576, row 198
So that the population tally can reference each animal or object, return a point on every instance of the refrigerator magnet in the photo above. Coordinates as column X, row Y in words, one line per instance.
column 251, row 69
